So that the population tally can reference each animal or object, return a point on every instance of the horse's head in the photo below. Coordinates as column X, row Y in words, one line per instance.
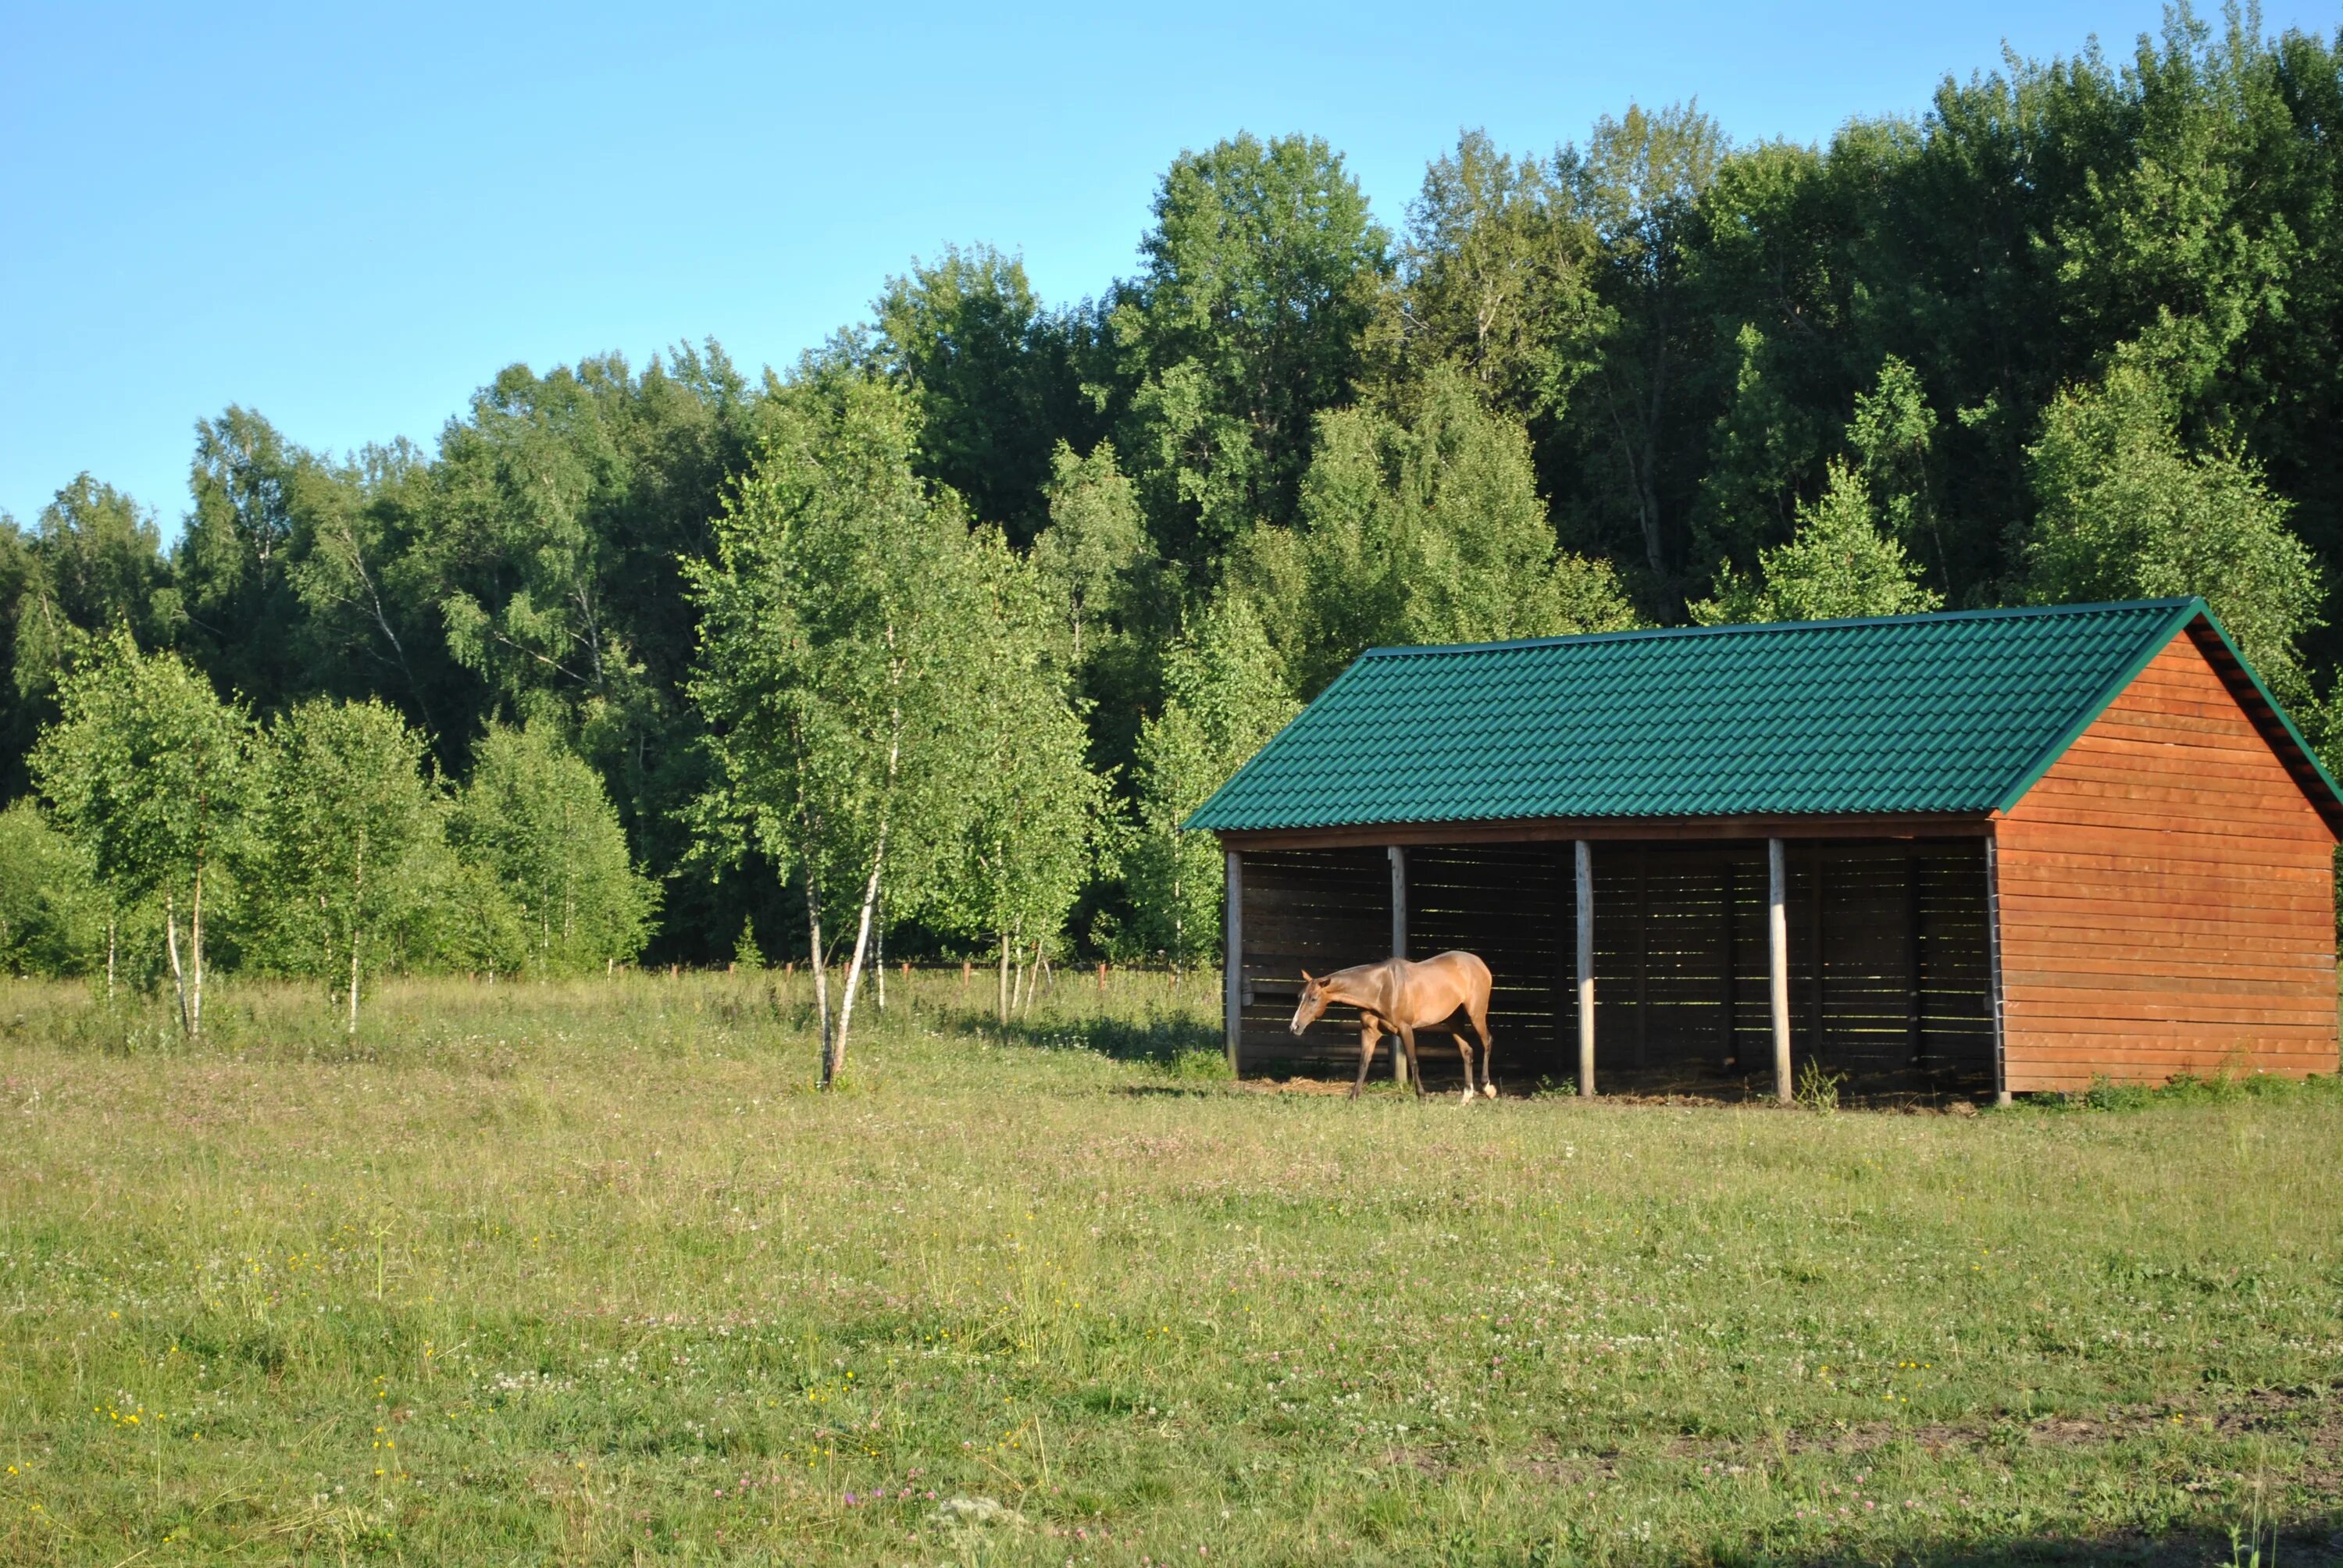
column 1312, row 1005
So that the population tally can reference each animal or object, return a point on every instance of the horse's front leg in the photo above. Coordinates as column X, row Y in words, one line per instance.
column 1368, row 1035
column 1414, row 1068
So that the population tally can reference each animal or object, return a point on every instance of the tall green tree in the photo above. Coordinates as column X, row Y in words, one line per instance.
column 2127, row 512
column 1263, row 272
column 235, row 555
column 343, row 809
column 148, row 772
column 832, row 619
column 1497, row 271
column 999, row 379
column 1030, row 805
column 1840, row 563
column 1223, row 701
column 1638, row 183
column 1419, row 525
column 93, row 562
column 535, row 815
column 1114, row 599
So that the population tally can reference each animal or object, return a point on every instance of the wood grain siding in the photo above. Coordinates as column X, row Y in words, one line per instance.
column 2168, row 896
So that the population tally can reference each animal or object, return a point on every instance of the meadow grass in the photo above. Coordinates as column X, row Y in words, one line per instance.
column 588, row 1274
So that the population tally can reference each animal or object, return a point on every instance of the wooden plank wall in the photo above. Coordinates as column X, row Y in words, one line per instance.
column 1680, row 964
column 1315, row 910
column 1513, row 904
column 2166, row 898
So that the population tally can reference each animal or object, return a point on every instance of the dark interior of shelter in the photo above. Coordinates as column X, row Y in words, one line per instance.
column 1888, row 961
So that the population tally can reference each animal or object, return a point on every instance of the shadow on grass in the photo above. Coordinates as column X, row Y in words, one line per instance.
column 1172, row 1040
column 2314, row 1540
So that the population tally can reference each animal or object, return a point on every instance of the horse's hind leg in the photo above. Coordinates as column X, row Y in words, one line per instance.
column 1367, row 1036
column 1464, row 1050
column 1480, row 1016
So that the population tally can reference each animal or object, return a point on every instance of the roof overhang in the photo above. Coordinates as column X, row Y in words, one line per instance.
column 1654, row 829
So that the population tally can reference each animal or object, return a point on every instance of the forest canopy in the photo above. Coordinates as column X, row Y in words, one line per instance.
column 929, row 640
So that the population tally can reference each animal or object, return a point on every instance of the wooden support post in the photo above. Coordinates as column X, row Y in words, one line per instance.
column 1993, row 972
column 1777, row 960
column 1585, row 968
column 1232, row 959
column 1398, row 853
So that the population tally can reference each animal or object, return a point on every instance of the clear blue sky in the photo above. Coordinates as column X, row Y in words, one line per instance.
column 349, row 221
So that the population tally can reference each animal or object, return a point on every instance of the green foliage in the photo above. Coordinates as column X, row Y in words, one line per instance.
column 52, row 920
column 234, row 557
column 1117, row 600
column 344, row 821
column 1426, row 528
column 150, row 776
column 1223, row 701
column 997, row 377
column 92, row 563
column 1030, row 803
column 1840, row 563
column 535, row 817
column 1263, row 272
column 747, row 956
column 1498, row 268
column 830, row 624
column 1093, row 557
column 836, row 618
column 1638, row 185
column 2127, row 513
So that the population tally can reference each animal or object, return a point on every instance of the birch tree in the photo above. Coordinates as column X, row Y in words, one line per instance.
column 827, row 664
column 343, row 809
column 1030, row 804
column 147, row 771
column 1223, row 701
column 537, row 815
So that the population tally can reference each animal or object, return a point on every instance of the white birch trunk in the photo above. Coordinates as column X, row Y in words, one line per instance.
column 196, row 951
column 171, row 945
column 820, row 974
column 861, row 946
column 1000, row 998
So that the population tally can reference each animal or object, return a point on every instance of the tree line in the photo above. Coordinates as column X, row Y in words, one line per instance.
column 935, row 635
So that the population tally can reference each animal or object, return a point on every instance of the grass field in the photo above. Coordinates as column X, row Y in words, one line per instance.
column 589, row 1274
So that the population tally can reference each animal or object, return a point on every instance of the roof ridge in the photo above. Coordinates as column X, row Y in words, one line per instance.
column 2012, row 612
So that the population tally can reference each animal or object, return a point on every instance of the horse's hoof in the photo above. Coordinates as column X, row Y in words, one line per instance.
column 1468, row 1098
column 1489, row 1089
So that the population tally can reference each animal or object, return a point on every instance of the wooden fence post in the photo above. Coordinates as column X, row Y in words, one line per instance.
column 1232, row 958
column 1585, row 968
column 1993, row 970
column 1777, row 962
column 1398, row 854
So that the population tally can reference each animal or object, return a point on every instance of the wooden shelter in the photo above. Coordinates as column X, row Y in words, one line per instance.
column 1979, row 852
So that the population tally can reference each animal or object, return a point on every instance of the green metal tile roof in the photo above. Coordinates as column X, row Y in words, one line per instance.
column 1957, row 712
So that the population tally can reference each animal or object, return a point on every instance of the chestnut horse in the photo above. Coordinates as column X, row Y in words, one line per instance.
column 1397, row 997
